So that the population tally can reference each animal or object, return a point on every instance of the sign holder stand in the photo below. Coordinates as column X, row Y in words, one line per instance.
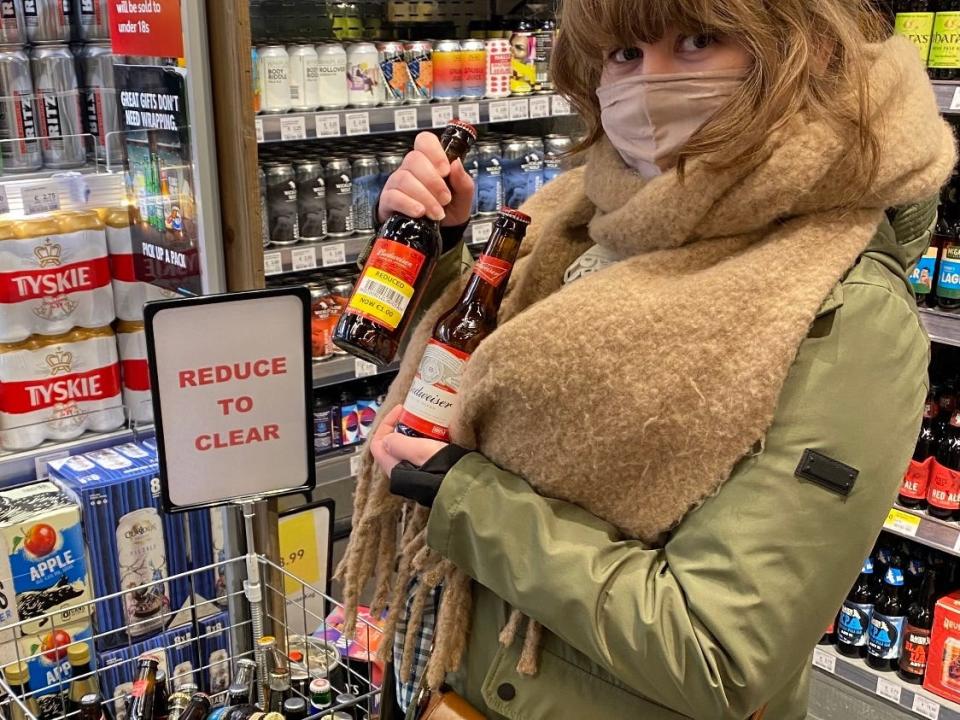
column 253, row 589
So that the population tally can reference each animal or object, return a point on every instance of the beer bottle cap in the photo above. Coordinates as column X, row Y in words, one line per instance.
column 515, row 215
column 457, row 123
column 267, row 641
column 78, row 654
column 17, row 674
column 90, row 699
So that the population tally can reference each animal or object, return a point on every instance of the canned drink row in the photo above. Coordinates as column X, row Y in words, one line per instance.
column 329, row 76
column 40, row 22
column 52, row 102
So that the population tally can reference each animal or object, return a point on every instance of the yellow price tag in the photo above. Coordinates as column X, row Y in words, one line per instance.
column 298, row 551
column 902, row 523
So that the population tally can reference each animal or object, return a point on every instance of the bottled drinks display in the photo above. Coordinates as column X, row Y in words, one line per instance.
column 932, row 25
column 936, row 278
column 396, row 273
column 344, row 417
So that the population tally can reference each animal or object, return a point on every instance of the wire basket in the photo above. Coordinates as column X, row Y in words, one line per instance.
column 198, row 643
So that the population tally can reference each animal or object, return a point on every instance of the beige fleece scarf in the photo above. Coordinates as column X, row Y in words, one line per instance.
column 634, row 391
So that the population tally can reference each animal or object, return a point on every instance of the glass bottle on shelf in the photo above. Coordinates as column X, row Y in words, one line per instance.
column 944, row 59
column 888, row 618
column 83, row 680
column 144, row 687
column 18, row 678
column 854, row 619
column 916, row 634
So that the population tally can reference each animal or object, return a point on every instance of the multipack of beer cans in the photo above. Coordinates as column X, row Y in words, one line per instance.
column 59, row 100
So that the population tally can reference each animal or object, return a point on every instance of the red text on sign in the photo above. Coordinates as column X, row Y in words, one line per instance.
column 214, row 374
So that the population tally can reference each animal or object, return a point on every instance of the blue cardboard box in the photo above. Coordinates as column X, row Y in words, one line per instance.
column 214, row 653
column 119, row 669
column 182, row 661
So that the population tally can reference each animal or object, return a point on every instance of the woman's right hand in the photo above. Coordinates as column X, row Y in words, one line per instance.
column 418, row 187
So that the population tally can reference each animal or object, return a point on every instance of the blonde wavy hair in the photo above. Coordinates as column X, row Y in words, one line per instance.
column 809, row 56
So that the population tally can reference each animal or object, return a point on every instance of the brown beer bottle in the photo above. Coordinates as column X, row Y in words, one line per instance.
column 144, row 687
column 396, row 273
column 198, row 708
column 431, row 401
column 90, row 707
column 18, row 678
column 83, row 680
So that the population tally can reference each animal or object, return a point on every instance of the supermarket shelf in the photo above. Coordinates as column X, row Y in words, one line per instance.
column 886, row 686
column 338, row 465
column 20, row 467
column 343, row 368
column 942, row 327
column 355, row 122
column 22, row 195
column 948, row 96
column 920, row 527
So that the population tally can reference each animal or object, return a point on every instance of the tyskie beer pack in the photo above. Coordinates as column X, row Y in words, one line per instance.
column 134, row 371
column 56, row 388
column 54, row 276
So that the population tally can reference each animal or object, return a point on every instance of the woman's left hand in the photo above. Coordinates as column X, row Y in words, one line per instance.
column 389, row 447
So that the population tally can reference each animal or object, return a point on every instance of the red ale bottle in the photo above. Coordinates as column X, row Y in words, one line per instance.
column 943, row 497
column 916, row 483
column 432, row 399
column 916, row 634
column 396, row 273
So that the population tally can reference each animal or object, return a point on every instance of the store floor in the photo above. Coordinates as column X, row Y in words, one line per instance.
column 831, row 699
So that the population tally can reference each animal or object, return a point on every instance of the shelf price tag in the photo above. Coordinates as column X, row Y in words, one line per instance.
column 824, row 661
column 334, row 254
column 293, row 128
column 481, row 232
column 889, row 690
column 405, row 119
column 470, row 112
column 303, row 258
column 328, row 125
column 519, row 109
column 298, row 555
column 358, row 123
column 539, row 107
column 40, row 199
column 362, row 368
column 561, row 106
column 441, row 115
column 955, row 103
column 258, row 124
column 902, row 523
column 355, row 465
column 499, row 112
column 272, row 263
column 925, row 707
column 4, row 203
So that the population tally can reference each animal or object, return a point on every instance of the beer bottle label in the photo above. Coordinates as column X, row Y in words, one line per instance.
column 918, row 26
column 916, row 650
column 492, row 269
column 885, row 636
column 853, row 623
column 944, row 490
column 945, row 47
column 923, row 274
column 386, row 286
column 917, row 480
column 948, row 284
column 432, row 399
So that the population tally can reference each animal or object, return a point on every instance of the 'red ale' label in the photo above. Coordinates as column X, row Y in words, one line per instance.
column 916, row 482
column 944, row 490
column 432, row 399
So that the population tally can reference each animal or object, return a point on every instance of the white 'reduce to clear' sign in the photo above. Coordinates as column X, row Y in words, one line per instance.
column 232, row 388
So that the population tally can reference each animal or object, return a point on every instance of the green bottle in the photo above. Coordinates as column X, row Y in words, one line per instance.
column 944, row 60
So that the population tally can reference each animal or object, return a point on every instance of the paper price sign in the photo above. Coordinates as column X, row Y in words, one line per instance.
column 357, row 123
column 519, row 109
column 925, row 707
column 888, row 690
column 441, row 115
column 481, row 232
column 303, row 258
column 293, row 128
column 405, row 119
column 539, row 107
column 902, row 523
column 499, row 112
column 328, row 126
column 561, row 106
column 362, row 368
column 470, row 112
column 824, row 661
column 955, row 103
column 355, row 464
column 272, row 263
column 40, row 199
column 258, row 124
column 298, row 551
column 334, row 254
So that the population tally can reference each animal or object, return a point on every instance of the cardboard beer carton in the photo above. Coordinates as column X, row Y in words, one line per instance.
column 120, row 670
column 943, row 668
column 181, row 644
column 214, row 654
column 42, row 565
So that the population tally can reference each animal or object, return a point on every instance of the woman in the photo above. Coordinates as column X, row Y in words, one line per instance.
column 678, row 447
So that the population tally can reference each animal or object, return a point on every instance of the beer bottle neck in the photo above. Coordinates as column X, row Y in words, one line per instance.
column 488, row 283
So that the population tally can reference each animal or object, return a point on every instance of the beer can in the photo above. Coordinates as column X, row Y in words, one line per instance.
column 58, row 100
column 47, row 21
column 12, row 31
column 393, row 68
column 533, row 164
column 420, row 67
column 364, row 84
column 489, row 179
column 304, row 77
column 338, row 178
column 555, row 148
column 332, row 66
column 523, row 66
column 257, row 81
column 389, row 163
column 471, row 163
column 514, row 179
column 264, row 224
column 366, row 191
column 499, row 68
column 447, row 70
column 275, row 77
column 544, row 37
column 19, row 146
column 91, row 20
column 473, row 60
column 311, row 199
column 282, row 220
column 99, row 94
column 321, row 331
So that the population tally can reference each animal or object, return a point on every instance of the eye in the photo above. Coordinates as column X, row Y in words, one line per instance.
column 695, row 43
column 626, row 55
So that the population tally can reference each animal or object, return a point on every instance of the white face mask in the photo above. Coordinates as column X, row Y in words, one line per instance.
column 650, row 118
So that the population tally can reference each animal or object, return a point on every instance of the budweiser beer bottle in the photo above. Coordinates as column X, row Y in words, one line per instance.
column 432, row 399
column 396, row 273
